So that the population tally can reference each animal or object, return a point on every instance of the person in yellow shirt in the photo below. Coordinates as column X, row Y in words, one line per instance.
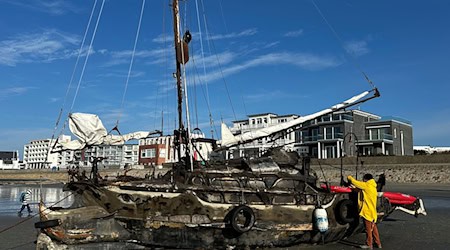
column 367, row 204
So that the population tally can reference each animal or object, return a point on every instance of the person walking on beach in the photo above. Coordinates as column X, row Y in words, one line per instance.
column 367, row 204
column 25, row 197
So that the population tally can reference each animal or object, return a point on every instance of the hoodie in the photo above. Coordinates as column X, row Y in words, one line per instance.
column 367, row 198
column 27, row 197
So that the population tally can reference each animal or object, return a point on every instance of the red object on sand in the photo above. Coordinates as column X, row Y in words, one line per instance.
column 393, row 197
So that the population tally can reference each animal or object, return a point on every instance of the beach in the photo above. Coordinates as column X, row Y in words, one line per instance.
column 399, row 231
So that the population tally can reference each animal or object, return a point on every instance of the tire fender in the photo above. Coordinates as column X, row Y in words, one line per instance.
column 346, row 212
column 241, row 219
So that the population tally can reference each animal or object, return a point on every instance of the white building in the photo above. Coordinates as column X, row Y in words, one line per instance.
column 115, row 156
column 9, row 160
column 38, row 154
column 259, row 147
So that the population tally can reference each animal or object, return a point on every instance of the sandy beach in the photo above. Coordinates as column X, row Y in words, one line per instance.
column 429, row 181
column 399, row 231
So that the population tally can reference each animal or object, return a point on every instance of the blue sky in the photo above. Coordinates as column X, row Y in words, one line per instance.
column 270, row 56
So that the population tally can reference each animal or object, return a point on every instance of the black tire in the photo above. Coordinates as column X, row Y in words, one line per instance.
column 46, row 224
column 241, row 219
column 346, row 212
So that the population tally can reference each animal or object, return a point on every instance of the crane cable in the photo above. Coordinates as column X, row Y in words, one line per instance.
column 342, row 44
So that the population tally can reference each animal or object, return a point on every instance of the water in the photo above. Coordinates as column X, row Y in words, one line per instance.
column 10, row 204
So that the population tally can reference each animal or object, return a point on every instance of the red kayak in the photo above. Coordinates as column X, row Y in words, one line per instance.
column 393, row 197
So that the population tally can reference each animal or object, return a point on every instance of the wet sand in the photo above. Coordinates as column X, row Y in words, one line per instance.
column 399, row 231
column 20, row 236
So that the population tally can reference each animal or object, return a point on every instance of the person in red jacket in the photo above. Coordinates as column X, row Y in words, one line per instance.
column 367, row 204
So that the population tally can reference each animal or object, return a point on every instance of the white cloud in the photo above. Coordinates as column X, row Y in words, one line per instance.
column 54, row 7
column 214, row 60
column 248, row 32
column 357, row 48
column 13, row 91
column 268, row 95
column 155, row 56
column 54, row 99
column 48, row 46
column 301, row 60
column 294, row 33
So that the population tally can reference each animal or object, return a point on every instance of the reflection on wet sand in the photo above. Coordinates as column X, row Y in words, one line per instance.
column 9, row 197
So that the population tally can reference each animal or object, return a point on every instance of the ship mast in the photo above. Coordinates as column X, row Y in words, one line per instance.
column 182, row 57
column 176, row 30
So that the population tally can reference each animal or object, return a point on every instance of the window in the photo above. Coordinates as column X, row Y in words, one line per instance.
column 148, row 153
column 315, row 134
column 162, row 153
column 328, row 133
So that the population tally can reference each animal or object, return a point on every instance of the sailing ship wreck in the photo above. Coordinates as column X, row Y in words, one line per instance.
column 269, row 201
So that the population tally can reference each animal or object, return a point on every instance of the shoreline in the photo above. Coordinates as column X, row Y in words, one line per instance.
column 395, row 173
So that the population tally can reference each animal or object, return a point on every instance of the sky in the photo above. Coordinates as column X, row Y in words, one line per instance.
column 246, row 57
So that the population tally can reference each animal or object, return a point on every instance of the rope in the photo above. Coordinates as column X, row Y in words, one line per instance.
column 202, row 53
column 31, row 217
column 131, row 63
column 220, row 68
column 342, row 44
column 188, row 122
column 70, row 83
column 87, row 56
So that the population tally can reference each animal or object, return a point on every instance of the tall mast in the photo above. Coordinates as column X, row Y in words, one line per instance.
column 176, row 30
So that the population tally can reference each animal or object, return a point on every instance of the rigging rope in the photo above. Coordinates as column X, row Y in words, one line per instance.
column 70, row 86
column 87, row 56
column 188, row 122
column 342, row 44
column 203, row 55
column 220, row 66
column 131, row 63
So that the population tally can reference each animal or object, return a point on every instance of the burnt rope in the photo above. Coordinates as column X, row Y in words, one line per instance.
column 31, row 217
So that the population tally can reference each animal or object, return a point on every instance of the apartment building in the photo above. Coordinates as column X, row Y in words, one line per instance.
column 38, row 154
column 115, row 156
column 354, row 132
column 259, row 147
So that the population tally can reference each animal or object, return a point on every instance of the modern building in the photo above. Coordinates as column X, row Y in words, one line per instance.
column 348, row 132
column 40, row 154
column 115, row 156
column 354, row 132
column 259, row 147
column 9, row 160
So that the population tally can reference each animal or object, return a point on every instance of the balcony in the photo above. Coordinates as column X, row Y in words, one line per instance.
column 321, row 137
column 379, row 137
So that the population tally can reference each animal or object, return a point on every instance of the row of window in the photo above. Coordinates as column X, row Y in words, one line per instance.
column 151, row 153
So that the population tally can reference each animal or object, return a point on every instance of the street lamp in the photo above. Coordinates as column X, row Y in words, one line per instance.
column 342, row 154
